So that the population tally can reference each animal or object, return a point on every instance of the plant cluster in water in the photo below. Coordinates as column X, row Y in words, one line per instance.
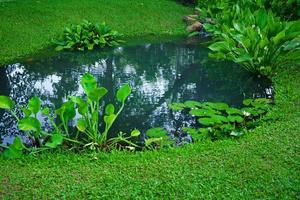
column 249, row 33
column 217, row 120
column 86, row 134
column 88, row 36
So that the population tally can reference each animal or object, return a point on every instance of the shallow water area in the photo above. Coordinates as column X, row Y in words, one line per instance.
column 159, row 73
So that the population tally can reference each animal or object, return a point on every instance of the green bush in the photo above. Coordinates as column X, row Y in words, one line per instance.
column 88, row 36
column 86, row 112
column 258, row 40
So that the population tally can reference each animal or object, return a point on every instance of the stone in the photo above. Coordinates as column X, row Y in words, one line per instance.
column 197, row 26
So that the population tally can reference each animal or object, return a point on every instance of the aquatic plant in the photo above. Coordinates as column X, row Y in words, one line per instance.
column 86, row 112
column 87, row 35
column 260, row 42
column 217, row 120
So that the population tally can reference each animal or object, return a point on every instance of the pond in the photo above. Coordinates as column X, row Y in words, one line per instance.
column 159, row 73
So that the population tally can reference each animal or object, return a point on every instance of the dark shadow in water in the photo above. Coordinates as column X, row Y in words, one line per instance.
column 158, row 74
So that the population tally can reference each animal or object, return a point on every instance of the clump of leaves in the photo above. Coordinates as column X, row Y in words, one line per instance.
column 259, row 41
column 87, row 35
column 217, row 120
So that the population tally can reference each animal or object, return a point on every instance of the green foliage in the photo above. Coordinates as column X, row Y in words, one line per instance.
column 14, row 150
column 216, row 120
column 88, row 36
column 6, row 103
column 259, row 41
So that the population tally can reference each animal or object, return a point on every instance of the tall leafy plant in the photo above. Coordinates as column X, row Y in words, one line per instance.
column 260, row 41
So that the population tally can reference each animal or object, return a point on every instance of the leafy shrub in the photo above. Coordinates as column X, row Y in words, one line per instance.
column 259, row 41
column 86, row 111
column 216, row 120
column 88, row 36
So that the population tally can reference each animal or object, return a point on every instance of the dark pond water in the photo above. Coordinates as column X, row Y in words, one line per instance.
column 158, row 73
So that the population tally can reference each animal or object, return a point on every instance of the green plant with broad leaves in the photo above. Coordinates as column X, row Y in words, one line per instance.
column 259, row 41
column 87, row 133
column 217, row 120
column 87, row 35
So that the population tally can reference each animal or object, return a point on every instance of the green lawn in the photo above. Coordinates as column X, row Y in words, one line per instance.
column 26, row 26
column 264, row 164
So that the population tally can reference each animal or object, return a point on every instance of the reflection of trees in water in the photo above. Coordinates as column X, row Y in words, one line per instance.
column 159, row 74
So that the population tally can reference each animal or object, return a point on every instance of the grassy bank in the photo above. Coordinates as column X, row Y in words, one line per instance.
column 260, row 165
column 27, row 26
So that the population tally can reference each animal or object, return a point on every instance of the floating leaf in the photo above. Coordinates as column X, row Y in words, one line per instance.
column 232, row 111
column 238, row 119
column 202, row 112
column 123, row 93
column 6, row 103
column 192, row 104
column 176, row 106
column 247, row 102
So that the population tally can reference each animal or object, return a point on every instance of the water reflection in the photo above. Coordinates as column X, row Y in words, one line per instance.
column 158, row 73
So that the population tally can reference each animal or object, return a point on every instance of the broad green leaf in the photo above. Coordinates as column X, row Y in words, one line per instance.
column 6, row 103
column 15, row 149
column 26, row 111
column 237, row 119
column 56, row 139
column 66, row 111
column 192, row 104
column 109, row 119
column 156, row 132
column 216, row 106
column 46, row 112
column 97, row 93
column 279, row 37
column 109, row 109
column 221, row 46
column 176, row 106
column 208, row 121
column 202, row 112
column 247, row 102
column 34, row 105
column 123, row 93
column 88, row 82
column 29, row 124
column 150, row 141
column 81, row 125
column 135, row 133
column 232, row 111
column 81, row 104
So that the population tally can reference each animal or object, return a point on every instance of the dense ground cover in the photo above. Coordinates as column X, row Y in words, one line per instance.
column 263, row 164
column 28, row 26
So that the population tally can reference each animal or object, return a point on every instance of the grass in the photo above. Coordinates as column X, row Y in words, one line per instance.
column 29, row 25
column 264, row 164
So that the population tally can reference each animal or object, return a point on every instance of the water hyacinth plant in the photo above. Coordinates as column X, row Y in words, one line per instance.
column 87, row 35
